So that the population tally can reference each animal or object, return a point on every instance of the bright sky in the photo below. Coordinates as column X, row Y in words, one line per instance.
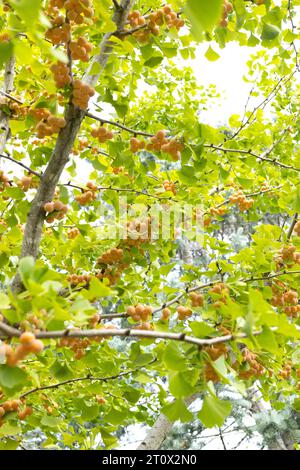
column 227, row 74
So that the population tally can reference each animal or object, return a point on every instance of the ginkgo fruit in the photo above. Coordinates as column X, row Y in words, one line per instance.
column 61, row 74
column 81, row 94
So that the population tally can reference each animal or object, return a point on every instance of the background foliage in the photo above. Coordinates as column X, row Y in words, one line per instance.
column 58, row 275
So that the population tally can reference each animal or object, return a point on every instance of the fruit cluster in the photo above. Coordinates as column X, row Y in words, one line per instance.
column 26, row 183
column 94, row 320
column 34, row 323
column 102, row 134
column 139, row 312
column 265, row 186
column 207, row 222
column 55, row 210
column 241, row 200
column 297, row 228
column 78, row 10
column 287, row 255
column 288, row 299
column 14, row 405
column 136, row 144
column 28, row 344
column 138, row 231
column 136, row 19
column 250, row 367
column 51, row 125
column 81, row 94
column 79, row 345
column 73, row 233
column 183, row 312
column 165, row 15
column 100, row 400
column 169, row 186
column 60, row 33
column 227, row 9
column 61, row 74
column 16, row 110
column 75, row 279
column 80, row 49
column 222, row 291
column 9, row 406
column 220, row 211
column 159, row 142
column 111, row 256
column 4, row 181
column 214, row 352
column 197, row 300
column 5, row 37
column 165, row 314
column 119, row 169
column 217, row 350
column 286, row 371
column 39, row 114
column 111, row 274
column 83, row 144
column 87, row 196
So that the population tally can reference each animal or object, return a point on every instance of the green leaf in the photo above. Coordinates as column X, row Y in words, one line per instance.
column 8, row 444
column 173, row 357
column 269, row 32
column 8, row 429
column 88, row 413
column 4, row 301
column 26, row 267
column 201, row 329
column 179, row 386
column 214, row 411
column 96, row 289
column 177, row 410
column 203, row 14
column 109, row 440
column 116, row 416
column 6, row 51
column 211, row 55
column 11, row 377
column 297, row 200
column 153, row 61
column 51, row 421
column 267, row 340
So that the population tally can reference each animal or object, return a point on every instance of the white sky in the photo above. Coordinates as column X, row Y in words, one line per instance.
column 227, row 74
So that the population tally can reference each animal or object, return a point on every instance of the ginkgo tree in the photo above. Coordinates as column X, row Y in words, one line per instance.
column 102, row 146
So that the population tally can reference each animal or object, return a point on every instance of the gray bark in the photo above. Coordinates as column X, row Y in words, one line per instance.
column 8, row 83
column 160, row 430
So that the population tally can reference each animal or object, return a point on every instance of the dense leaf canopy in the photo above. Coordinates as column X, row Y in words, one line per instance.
column 102, row 324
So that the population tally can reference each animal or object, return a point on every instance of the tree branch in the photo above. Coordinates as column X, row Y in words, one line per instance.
column 291, row 229
column 88, row 377
column 62, row 150
column 12, row 332
column 106, row 47
column 160, row 430
column 263, row 157
column 7, row 157
column 117, row 124
column 9, row 74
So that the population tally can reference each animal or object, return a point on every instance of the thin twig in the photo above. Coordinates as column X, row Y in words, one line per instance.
column 7, row 157
column 291, row 229
column 117, row 124
column 88, row 377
